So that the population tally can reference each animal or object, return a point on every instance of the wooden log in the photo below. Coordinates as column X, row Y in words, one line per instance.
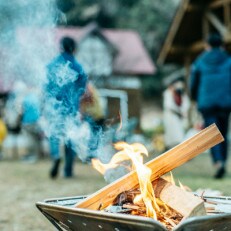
column 164, row 163
column 183, row 202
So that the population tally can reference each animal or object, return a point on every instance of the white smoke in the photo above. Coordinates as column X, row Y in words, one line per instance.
column 26, row 47
column 25, row 44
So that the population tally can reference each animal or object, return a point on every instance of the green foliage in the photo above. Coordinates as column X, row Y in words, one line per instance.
column 150, row 18
column 150, row 133
column 152, row 86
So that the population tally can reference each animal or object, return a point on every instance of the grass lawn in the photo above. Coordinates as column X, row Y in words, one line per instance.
column 198, row 173
column 23, row 184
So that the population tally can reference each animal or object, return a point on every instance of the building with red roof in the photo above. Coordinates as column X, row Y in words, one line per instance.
column 115, row 60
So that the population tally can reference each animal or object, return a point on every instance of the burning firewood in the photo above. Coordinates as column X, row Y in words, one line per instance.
column 164, row 163
column 160, row 199
column 175, row 207
column 185, row 203
column 167, row 215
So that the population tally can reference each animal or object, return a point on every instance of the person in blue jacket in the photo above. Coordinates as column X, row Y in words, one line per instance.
column 210, row 87
column 66, row 83
column 30, row 118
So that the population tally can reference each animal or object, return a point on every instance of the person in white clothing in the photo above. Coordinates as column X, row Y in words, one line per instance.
column 176, row 104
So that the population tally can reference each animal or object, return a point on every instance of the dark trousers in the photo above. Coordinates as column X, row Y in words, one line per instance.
column 69, row 160
column 69, row 155
column 219, row 152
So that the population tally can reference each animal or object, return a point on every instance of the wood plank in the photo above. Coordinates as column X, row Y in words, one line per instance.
column 205, row 26
column 227, row 15
column 194, row 7
column 195, row 47
column 164, row 163
column 214, row 20
column 218, row 3
column 172, row 31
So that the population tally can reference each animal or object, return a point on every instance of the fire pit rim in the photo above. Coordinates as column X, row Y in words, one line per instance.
column 103, row 215
column 192, row 220
column 124, row 218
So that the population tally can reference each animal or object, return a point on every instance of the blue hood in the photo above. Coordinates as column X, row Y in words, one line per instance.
column 210, row 82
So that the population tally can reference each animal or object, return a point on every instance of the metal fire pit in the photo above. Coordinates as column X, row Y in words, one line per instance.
column 62, row 214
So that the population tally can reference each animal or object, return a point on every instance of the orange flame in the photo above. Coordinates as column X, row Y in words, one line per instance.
column 181, row 185
column 172, row 179
column 134, row 152
column 114, row 162
column 184, row 187
column 169, row 178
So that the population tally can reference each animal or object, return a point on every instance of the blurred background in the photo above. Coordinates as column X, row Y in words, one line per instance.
column 133, row 52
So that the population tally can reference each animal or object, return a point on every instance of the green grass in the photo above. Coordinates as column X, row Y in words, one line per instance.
column 198, row 174
column 23, row 184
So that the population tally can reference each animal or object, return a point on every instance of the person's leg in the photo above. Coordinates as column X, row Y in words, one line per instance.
column 55, row 155
column 69, row 160
column 93, row 143
column 223, row 124
column 30, row 155
column 35, row 148
column 38, row 137
column 217, row 152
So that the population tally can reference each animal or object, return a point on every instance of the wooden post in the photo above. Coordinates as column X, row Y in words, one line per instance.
column 227, row 15
column 164, row 163
column 205, row 26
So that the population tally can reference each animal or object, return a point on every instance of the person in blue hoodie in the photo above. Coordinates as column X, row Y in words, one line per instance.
column 210, row 87
column 66, row 83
